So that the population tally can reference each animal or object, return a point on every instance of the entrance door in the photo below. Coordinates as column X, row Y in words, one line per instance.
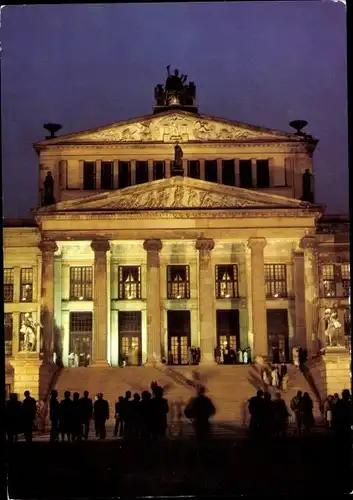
column 179, row 338
column 80, row 338
column 130, row 337
column 81, row 347
column 228, row 328
column 278, row 335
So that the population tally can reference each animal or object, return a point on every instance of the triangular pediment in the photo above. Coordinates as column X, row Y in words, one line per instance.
column 174, row 193
column 171, row 126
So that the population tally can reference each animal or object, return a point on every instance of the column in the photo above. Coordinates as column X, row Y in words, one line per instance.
column 259, row 319
column 153, row 247
column 63, row 174
column 219, row 171
column 206, row 300
column 253, row 172
column 299, row 291
column 48, row 248
column 202, row 170
column 237, row 172
column 17, row 284
column 115, row 174
column 133, row 172
column 150, row 170
column 168, row 166
column 98, row 174
column 100, row 303
column 308, row 244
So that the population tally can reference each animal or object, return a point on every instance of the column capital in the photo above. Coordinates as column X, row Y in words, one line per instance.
column 257, row 243
column 298, row 254
column 308, row 242
column 48, row 246
column 152, row 245
column 100, row 246
column 206, row 244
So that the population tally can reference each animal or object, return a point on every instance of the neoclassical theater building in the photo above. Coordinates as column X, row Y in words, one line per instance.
column 166, row 231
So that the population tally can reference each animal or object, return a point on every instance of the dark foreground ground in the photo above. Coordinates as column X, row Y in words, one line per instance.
column 292, row 467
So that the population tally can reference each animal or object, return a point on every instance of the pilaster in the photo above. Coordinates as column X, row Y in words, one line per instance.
column 299, row 291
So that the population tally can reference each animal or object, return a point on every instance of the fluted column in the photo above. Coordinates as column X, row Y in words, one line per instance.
column 48, row 248
column 308, row 244
column 100, row 305
column 299, row 290
column 259, row 319
column 153, row 247
column 206, row 300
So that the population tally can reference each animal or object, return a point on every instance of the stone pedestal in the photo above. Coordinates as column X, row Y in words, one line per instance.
column 206, row 301
column 154, row 341
column 27, row 374
column 259, row 318
column 100, row 305
column 48, row 248
column 336, row 369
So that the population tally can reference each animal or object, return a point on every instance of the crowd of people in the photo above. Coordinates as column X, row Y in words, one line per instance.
column 226, row 355
column 276, row 376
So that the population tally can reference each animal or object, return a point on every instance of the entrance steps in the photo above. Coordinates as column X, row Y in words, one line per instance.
column 229, row 387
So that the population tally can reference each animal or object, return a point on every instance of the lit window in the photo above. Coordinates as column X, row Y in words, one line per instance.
column 81, row 283
column 275, row 280
column 26, row 294
column 8, row 284
column 129, row 282
column 178, row 284
column 226, row 282
column 328, row 280
column 346, row 279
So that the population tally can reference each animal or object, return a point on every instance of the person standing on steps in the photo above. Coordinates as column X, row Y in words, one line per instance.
column 54, row 411
column 76, row 417
column 101, row 415
column 200, row 409
column 296, row 407
column 119, row 417
column 65, row 416
column 28, row 410
column 86, row 411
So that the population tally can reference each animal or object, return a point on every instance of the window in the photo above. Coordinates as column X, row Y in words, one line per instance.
column 347, row 321
column 26, row 287
column 275, row 280
column 124, row 178
column 178, row 284
column 262, row 174
column 8, row 284
column 328, row 280
column 89, row 175
column 194, row 169
column 107, row 169
column 141, row 172
column 158, row 170
column 80, row 322
column 228, row 172
column 245, row 174
column 8, row 332
column 211, row 170
column 129, row 282
column 346, row 279
column 226, row 282
column 81, row 283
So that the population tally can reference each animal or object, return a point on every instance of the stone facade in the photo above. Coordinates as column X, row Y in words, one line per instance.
column 172, row 225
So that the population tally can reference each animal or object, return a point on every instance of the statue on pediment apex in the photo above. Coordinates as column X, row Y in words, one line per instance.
column 176, row 92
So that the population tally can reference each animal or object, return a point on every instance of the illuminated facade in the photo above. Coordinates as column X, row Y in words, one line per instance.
column 125, row 258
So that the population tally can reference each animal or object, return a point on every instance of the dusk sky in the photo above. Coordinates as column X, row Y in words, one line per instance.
column 263, row 63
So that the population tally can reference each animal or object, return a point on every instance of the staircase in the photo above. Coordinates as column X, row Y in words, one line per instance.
column 229, row 387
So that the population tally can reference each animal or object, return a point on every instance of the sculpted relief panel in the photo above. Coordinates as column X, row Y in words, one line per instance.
column 173, row 128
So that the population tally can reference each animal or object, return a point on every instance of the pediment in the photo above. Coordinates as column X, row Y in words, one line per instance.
column 174, row 126
column 174, row 193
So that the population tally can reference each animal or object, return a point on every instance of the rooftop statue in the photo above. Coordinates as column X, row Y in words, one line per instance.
column 176, row 90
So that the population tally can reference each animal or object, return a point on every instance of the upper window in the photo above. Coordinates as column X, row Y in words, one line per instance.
column 227, row 282
column 8, row 284
column 107, row 178
column 228, row 172
column 178, row 283
column 194, row 169
column 26, row 293
column 129, row 282
column 81, row 322
column 158, row 170
column 211, row 170
column 245, row 174
column 262, row 174
column 346, row 279
column 141, row 172
column 89, row 175
column 275, row 280
column 328, row 279
column 124, row 177
column 81, row 278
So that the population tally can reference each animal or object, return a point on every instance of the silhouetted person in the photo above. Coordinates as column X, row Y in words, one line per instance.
column 307, row 412
column 54, row 413
column 344, row 415
column 146, row 415
column 13, row 418
column 28, row 410
column 197, row 355
column 65, row 416
column 200, row 409
column 127, row 415
column 136, row 415
column 119, row 417
column 296, row 407
column 266, row 425
column 86, row 411
column 76, row 417
column 159, row 412
column 101, row 415
column 256, row 410
column 280, row 415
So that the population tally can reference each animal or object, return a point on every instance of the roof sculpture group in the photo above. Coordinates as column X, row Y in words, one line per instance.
column 176, row 90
